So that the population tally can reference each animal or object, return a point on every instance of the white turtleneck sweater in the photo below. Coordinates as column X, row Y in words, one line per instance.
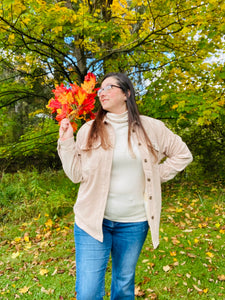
column 126, row 194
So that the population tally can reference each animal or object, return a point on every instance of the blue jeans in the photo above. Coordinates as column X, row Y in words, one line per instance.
column 124, row 242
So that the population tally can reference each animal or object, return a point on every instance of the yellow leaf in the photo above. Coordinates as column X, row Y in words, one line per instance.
column 37, row 217
column 57, row 29
column 173, row 253
column 17, row 239
column 179, row 209
column 27, row 246
column 196, row 241
column 175, row 106
column 15, row 254
column 24, row 290
column 205, row 290
column 217, row 225
column 43, row 272
column 26, row 238
column 49, row 223
column 11, row 37
column 210, row 254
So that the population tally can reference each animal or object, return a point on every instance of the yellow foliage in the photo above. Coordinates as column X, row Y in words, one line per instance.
column 57, row 29
column 18, row 7
column 11, row 38
column 221, row 102
column 40, row 2
column 26, row 20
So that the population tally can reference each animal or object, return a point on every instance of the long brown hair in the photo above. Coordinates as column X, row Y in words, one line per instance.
column 99, row 130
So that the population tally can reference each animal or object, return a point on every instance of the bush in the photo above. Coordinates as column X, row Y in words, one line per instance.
column 25, row 194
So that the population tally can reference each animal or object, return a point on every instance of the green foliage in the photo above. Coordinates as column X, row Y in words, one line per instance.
column 25, row 194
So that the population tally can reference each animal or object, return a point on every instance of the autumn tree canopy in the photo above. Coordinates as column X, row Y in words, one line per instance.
column 162, row 45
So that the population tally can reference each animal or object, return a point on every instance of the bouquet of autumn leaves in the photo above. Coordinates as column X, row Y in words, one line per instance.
column 74, row 102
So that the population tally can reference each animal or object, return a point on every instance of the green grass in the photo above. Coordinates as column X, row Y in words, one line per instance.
column 37, row 247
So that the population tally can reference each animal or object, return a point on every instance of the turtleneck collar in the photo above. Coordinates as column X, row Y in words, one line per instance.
column 117, row 118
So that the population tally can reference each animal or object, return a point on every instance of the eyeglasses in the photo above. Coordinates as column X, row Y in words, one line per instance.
column 107, row 88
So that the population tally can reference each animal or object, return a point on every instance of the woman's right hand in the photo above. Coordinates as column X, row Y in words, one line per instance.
column 65, row 130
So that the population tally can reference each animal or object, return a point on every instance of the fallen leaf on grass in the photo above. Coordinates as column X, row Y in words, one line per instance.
column 26, row 237
column 152, row 296
column 48, row 292
column 191, row 255
column 55, row 272
column 15, row 255
column 209, row 254
column 173, row 253
column 175, row 241
column 24, row 290
column 139, row 292
column 17, row 239
column 166, row 268
column 200, row 290
column 43, row 272
column 221, row 277
column 49, row 223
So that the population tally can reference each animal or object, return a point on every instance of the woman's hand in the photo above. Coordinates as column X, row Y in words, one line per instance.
column 65, row 130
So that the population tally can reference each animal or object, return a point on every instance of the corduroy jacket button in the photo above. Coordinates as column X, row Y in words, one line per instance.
column 145, row 160
column 150, row 197
column 148, row 179
column 152, row 217
column 139, row 144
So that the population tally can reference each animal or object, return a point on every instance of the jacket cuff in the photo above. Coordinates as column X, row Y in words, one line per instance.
column 66, row 143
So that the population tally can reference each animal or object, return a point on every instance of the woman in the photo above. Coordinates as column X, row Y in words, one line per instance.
column 116, row 158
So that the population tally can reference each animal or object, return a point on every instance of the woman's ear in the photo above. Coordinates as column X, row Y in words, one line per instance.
column 127, row 94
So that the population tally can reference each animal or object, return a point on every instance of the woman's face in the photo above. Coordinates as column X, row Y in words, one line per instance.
column 112, row 99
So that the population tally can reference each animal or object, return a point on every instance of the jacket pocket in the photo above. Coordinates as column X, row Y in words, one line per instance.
column 91, row 157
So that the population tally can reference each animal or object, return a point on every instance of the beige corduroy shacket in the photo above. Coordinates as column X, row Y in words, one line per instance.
column 92, row 168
